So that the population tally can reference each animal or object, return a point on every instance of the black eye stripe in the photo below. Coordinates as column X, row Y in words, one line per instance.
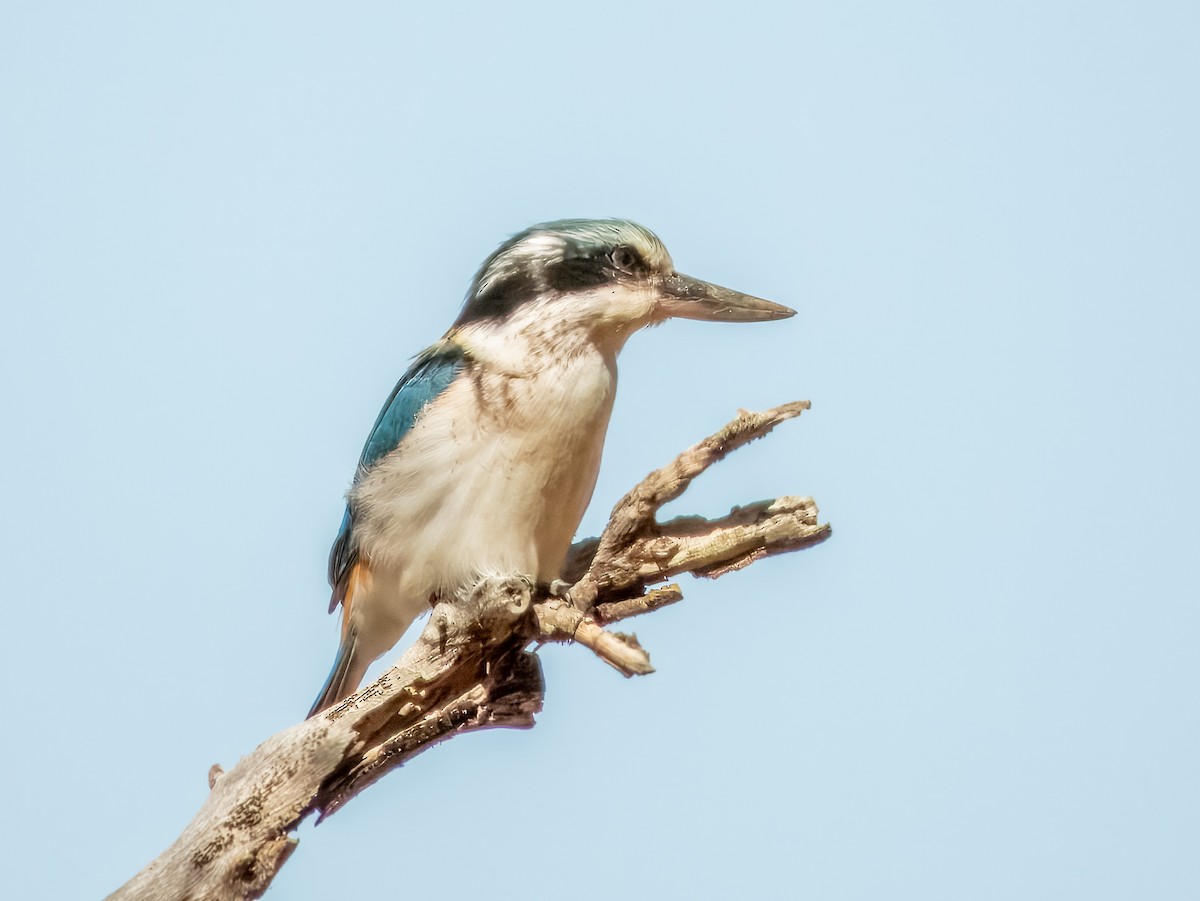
column 580, row 268
column 500, row 297
column 578, row 272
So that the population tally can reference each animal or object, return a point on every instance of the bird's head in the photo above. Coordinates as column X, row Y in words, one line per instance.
column 610, row 276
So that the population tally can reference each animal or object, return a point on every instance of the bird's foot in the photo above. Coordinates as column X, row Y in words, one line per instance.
column 559, row 588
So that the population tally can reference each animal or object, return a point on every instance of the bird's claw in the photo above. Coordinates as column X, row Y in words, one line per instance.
column 560, row 589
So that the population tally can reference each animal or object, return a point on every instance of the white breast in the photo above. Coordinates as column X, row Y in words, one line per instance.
column 493, row 477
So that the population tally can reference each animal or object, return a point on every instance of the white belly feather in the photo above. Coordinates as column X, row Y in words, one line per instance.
column 494, row 476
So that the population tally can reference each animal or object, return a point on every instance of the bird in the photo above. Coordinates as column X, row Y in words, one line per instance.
column 485, row 455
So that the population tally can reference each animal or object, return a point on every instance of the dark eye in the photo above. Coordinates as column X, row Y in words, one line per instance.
column 624, row 258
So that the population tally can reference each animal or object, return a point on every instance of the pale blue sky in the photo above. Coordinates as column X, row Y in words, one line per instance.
column 225, row 227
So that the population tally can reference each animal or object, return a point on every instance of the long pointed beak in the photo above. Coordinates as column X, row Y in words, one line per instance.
column 685, row 297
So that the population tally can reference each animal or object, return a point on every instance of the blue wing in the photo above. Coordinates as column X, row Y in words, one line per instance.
column 428, row 377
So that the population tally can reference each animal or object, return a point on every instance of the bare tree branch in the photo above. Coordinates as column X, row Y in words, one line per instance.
column 472, row 669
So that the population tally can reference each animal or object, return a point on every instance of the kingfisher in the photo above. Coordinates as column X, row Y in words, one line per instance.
column 486, row 453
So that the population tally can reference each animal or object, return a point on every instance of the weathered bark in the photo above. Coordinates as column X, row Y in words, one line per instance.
column 472, row 669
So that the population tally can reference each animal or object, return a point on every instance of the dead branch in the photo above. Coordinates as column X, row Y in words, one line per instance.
column 472, row 669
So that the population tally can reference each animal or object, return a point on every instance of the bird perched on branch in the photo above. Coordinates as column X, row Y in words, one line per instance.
column 486, row 453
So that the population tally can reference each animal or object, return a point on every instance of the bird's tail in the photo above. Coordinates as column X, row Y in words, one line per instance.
column 347, row 672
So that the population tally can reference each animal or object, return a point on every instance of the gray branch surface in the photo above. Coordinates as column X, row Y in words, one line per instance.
column 472, row 668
